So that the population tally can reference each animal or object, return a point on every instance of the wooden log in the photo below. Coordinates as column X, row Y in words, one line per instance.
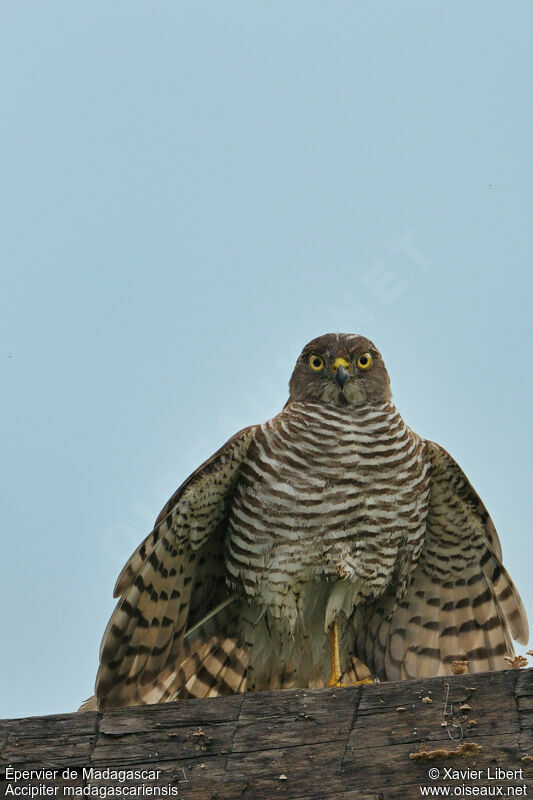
column 377, row 742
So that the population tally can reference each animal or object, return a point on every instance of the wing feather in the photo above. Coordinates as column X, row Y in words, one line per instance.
column 460, row 602
column 171, row 581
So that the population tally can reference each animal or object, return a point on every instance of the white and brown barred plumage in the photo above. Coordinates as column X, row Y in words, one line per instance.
column 334, row 510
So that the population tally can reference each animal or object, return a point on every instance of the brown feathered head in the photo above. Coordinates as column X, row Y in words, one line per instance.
column 341, row 369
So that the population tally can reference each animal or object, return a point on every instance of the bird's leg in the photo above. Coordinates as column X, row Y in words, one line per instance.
column 335, row 679
column 336, row 672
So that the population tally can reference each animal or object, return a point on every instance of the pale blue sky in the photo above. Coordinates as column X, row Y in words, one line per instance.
column 192, row 191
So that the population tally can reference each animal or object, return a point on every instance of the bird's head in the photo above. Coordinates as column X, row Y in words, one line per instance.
column 341, row 369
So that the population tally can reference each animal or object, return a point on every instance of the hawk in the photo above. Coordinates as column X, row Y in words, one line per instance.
column 330, row 541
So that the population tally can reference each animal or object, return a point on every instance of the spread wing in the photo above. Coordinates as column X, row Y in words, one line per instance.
column 170, row 582
column 460, row 602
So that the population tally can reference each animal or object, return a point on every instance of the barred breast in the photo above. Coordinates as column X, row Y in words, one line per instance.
column 331, row 493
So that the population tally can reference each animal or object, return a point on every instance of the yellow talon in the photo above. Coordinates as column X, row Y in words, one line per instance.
column 336, row 679
column 336, row 672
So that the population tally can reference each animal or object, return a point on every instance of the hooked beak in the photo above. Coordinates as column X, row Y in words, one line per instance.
column 341, row 376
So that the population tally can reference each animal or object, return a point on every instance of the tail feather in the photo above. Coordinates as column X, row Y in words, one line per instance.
column 213, row 663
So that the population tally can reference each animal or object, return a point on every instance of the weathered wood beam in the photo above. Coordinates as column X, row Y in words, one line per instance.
column 359, row 743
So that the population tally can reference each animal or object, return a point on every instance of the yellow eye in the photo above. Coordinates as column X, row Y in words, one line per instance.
column 316, row 363
column 364, row 361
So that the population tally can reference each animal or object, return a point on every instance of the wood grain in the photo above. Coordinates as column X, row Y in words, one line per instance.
column 351, row 744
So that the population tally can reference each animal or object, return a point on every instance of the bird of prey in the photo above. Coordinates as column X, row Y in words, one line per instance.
column 328, row 544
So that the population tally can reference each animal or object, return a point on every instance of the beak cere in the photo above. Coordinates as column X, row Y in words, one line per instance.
column 341, row 376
